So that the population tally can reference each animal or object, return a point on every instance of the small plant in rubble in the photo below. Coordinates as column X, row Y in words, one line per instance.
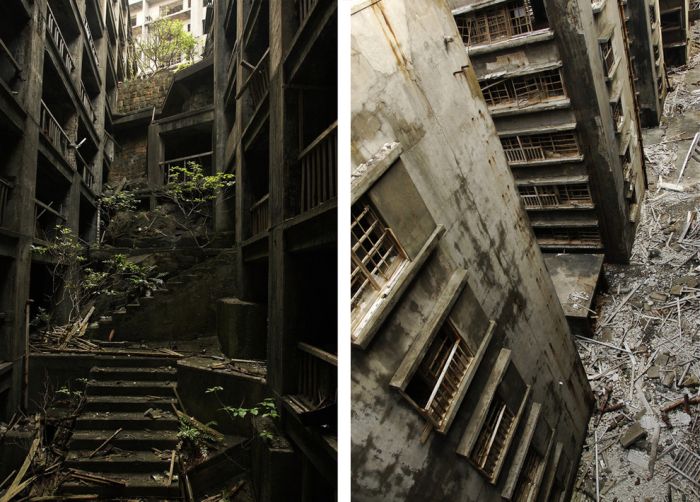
column 123, row 200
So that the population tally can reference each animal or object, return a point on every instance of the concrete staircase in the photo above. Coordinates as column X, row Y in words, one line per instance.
column 120, row 397
column 168, row 313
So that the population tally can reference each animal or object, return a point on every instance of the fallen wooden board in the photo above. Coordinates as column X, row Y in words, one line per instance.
column 17, row 486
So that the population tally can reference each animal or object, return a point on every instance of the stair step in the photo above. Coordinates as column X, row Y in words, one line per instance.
column 166, row 373
column 119, row 461
column 129, row 388
column 138, row 485
column 127, row 403
column 134, row 420
column 125, row 440
column 135, row 360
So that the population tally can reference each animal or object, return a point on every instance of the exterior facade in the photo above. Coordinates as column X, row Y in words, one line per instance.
column 275, row 128
column 675, row 22
column 466, row 384
column 646, row 58
column 192, row 14
column 557, row 81
column 60, row 61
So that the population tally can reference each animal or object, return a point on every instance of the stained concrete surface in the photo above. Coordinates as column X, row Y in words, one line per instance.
column 657, row 328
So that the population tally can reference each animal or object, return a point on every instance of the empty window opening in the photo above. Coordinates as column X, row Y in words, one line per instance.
column 608, row 55
column 490, row 445
column 376, row 256
column 502, row 22
column 652, row 14
column 536, row 147
column 528, row 477
column 542, row 196
column 525, row 90
column 436, row 382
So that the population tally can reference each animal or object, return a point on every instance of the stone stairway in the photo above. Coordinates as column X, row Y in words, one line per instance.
column 134, row 394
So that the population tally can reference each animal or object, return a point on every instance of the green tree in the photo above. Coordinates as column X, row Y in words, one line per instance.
column 165, row 44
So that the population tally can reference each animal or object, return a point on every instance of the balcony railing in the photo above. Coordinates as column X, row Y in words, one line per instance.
column 258, row 81
column 317, row 373
column 86, row 171
column 260, row 216
column 46, row 219
column 6, row 54
column 166, row 166
column 304, row 8
column 91, row 41
column 5, row 187
column 319, row 169
column 60, row 42
column 54, row 132
column 85, row 98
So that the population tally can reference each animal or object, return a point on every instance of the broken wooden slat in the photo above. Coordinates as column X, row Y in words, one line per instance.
column 16, row 486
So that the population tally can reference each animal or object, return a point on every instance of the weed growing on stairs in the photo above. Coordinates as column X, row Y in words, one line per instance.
column 265, row 409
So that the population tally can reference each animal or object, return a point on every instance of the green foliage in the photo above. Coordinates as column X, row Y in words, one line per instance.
column 165, row 44
column 189, row 185
column 123, row 200
column 264, row 409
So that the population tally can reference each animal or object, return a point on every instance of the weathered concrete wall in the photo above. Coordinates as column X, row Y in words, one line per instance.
column 137, row 94
column 412, row 83
column 130, row 158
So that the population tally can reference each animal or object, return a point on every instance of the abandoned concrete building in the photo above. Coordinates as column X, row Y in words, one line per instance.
column 465, row 382
column 60, row 63
column 226, row 321
column 557, row 80
column 675, row 33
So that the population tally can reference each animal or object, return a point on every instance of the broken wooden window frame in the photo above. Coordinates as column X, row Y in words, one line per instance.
column 536, row 441
column 365, row 324
column 478, row 440
column 420, row 349
column 555, row 237
column 553, row 196
column 607, row 53
column 317, row 382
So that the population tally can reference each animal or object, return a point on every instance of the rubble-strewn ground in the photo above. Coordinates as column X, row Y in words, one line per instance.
column 650, row 320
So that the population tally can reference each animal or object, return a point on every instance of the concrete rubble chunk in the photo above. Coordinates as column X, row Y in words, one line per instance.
column 634, row 433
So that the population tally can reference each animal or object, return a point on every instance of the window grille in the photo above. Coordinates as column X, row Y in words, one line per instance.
column 528, row 477
column 525, row 90
column 652, row 14
column 437, row 380
column 542, row 196
column 606, row 50
column 376, row 254
column 568, row 236
column 490, row 445
column 536, row 147
column 617, row 113
column 491, row 25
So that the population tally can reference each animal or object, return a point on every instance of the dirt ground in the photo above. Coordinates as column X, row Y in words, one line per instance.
column 649, row 321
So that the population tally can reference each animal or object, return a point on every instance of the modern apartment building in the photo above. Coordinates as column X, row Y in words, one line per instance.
column 556, row 78
column 275, row 128
column 192, row 14
column 646, row 57
column 465, row 382
column 60, row 62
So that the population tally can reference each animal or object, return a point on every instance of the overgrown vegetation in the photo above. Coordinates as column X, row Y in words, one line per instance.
column 264, row 409
column 166, row 43
column 76, row 283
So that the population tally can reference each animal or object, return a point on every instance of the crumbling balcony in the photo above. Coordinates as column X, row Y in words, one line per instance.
column 5, row 188
column 258, row 80
column 501, row 22
column 552, row 237
column 86, row 171
column 260, row 216
column 319, row 169
column 523, row 149
column 559, row 196
column 91, row 42
column 87, row 102
column 59, row 41
column 55, row 134
column 10, row 69
column 46, row 219
column 523, row 90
